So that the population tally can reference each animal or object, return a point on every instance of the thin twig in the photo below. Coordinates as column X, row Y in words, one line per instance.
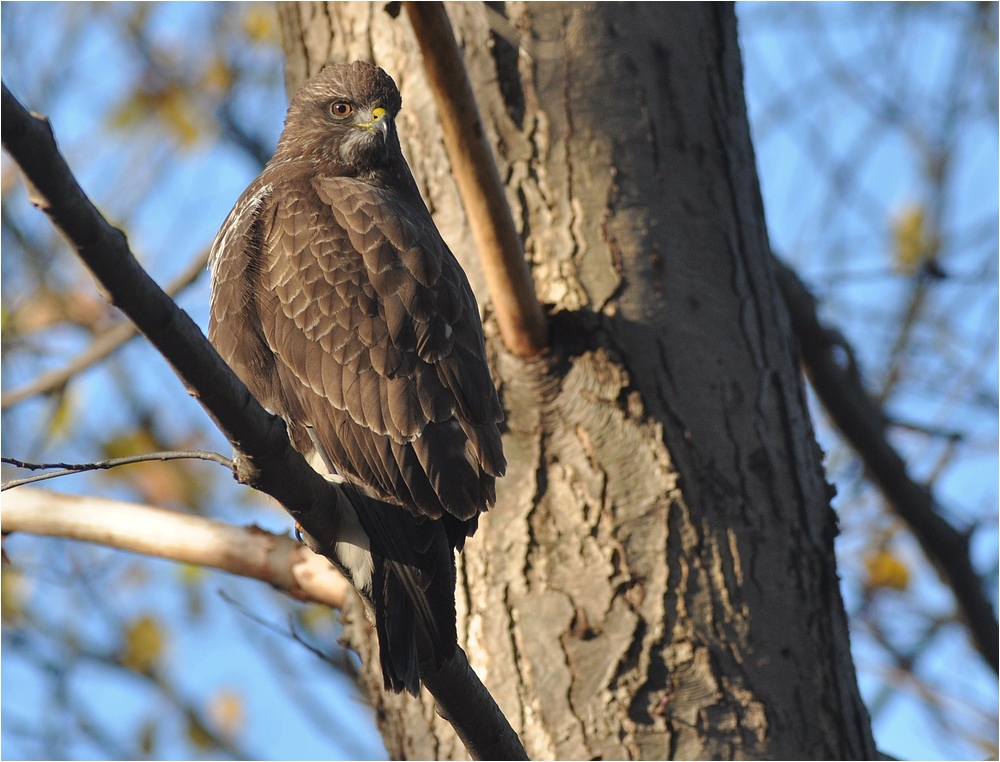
column 518, row 313
column 76, row 468
column 931, row 431
column 299, row 689
column 291, row 634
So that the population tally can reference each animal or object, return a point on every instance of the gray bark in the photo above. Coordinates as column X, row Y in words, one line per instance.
column 658, row 578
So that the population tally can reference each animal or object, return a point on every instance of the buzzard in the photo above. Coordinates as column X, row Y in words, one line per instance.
column 339, row 305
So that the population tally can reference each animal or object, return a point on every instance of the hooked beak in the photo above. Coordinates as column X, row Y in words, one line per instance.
column 379, row 123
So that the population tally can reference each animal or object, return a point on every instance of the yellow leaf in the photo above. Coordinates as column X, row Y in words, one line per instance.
column 175, row 113
column 258, row 23
column 226, row 712
column 316, row 618
column 143, row 644
column 171, row 103
column 159, row 482
column 147, row 737
column 886, row 570
column 191, row 577
column 191, row 574
column 128, row 113
column 135, row 442
column 62, row 416
column 913, row 242
column 218, row 76
column 199, row 737
column 13, row 593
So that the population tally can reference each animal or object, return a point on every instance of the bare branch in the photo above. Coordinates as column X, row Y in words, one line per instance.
column 102, row 345
column 518, row 313
column 265, row 459
column 343, row 664
column 186, row 538
column 862, row 422
column 66, row 469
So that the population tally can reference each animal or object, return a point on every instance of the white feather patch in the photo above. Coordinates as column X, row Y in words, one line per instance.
column 352, row 547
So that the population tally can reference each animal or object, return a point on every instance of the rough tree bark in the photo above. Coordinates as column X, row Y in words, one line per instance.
column 658, row 578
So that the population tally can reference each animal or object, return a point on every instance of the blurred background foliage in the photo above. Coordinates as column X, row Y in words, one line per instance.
column 875, row 128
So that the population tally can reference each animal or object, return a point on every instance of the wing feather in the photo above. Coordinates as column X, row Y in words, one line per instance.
column 377, row 333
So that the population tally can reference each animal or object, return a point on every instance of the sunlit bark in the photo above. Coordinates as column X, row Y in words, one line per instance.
column 657, row 579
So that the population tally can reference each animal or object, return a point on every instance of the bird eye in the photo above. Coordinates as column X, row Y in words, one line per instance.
column 341, row 108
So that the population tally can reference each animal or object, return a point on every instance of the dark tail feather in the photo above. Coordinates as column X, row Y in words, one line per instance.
column 402, row 608
column 395, row 626
column 413, row 587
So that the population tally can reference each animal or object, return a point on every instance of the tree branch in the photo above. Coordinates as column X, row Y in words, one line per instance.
column 861, row 420
column 65, row 469
column 518, row 313
column 265, row 459
column 102, row 345
column 186, row 538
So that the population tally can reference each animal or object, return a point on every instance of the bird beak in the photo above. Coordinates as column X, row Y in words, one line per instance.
column 379, row 122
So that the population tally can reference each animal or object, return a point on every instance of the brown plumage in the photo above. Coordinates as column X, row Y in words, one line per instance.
column 337, row 302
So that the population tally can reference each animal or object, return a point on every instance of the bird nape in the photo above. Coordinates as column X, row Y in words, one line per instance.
column 339, row 305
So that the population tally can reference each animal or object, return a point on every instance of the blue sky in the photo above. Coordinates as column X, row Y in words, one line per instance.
column 810, row 121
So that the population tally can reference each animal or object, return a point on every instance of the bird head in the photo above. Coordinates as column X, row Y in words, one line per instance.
column 343, row 118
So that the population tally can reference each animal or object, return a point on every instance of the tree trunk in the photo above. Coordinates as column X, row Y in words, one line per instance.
column 657, row 579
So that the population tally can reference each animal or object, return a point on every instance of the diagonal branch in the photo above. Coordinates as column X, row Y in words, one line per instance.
column 518, row 313
column 861, row 420
column 264, row 459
